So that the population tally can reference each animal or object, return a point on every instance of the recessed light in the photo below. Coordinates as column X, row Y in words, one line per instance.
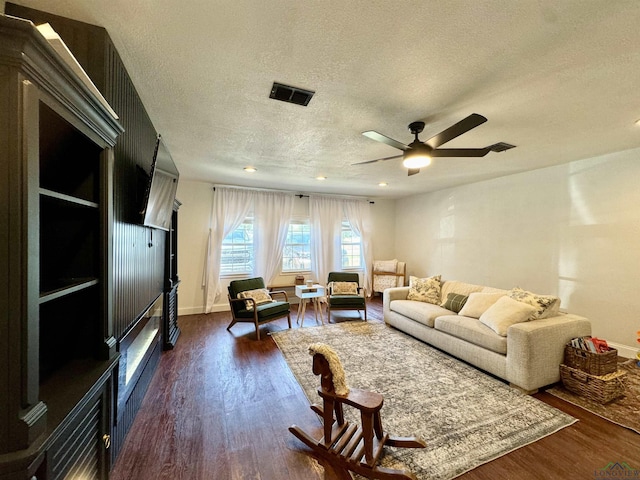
column 382, row 184
column 250, row 169
column 638, row 122
column 320, row 177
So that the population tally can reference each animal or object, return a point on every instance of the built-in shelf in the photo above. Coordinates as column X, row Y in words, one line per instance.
column 67, row 287
column 67, row 198
column 79, row 376
column 59, row 355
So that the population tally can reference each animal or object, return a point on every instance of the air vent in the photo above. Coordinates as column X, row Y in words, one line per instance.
column 289, row 94
column 501, row 147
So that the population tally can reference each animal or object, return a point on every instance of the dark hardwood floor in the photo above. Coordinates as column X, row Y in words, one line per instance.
column 221, row 402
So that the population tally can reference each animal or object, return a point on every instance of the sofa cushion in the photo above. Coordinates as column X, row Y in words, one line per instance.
column 494, row 290
column 545, row 305
column 421, row 312
column 506, row 312
column 455, row 302
column 462, row 288
column 424, row 289
column 478, row 303
column 473, row 331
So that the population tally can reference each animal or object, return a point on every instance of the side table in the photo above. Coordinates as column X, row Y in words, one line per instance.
column 305, row 293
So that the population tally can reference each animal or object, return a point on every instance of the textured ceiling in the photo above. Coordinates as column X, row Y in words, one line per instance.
column 557, row 78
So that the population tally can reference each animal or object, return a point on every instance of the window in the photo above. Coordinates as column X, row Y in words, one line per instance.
column 237, row 250
column 297, row 250
column 351, row 248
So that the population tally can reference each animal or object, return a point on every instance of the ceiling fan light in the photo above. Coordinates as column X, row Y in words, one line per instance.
column 416, row 161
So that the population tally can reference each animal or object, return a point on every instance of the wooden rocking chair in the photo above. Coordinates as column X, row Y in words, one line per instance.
column 348, row 447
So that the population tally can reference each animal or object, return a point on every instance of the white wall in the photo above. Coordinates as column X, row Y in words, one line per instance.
column 193, row 230
column 570, row 230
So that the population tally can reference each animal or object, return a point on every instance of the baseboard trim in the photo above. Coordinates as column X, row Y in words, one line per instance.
column 624, row 350
column 200, row 309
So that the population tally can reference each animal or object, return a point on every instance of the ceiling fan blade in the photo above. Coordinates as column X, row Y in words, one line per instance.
column 378, row 137
column 377, row 160
column 460, row 152
column 455, row 130
column 413, row 171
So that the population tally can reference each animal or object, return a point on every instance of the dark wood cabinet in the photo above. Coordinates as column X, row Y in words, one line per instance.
column 170, row 329
column 56, row 328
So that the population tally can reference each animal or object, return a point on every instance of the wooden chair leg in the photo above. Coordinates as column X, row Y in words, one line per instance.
column 327, row 420
column 367, row 435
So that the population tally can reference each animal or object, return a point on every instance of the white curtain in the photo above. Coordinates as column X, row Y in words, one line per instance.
column 272, row 213
column 230, row 208
column 358, row 214
column 326, row 214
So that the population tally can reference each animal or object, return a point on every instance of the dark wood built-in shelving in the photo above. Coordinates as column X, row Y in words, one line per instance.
column 56, row 326
column 68, row 198
column 70, row 285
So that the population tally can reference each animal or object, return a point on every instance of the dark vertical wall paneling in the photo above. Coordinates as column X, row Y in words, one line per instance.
column 138, row 251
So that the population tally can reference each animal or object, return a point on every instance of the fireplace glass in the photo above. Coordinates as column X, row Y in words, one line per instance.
column 136, row 348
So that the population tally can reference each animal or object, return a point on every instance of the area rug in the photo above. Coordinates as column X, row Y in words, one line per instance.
column 624, row 411
column 466, row 417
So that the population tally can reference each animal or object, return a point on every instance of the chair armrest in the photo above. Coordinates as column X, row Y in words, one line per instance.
column 280, row 292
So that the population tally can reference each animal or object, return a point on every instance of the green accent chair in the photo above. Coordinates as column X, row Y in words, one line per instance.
column 260, row 314
column 345, row 302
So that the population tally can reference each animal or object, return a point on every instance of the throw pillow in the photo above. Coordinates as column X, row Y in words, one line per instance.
column 425, row 289
column 260, row 295
column 504, row 313
column 478, row 303
column 389, row 266
column 455, row 302
column 545, row 305
column 344, row 288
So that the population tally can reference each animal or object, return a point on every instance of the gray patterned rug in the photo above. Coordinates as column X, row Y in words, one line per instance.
column 466, row 417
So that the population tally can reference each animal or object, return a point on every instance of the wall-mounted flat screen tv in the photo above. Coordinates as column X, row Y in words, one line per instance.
column 161, row 191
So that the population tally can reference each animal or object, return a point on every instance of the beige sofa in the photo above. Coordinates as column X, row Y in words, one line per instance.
column 527, row 356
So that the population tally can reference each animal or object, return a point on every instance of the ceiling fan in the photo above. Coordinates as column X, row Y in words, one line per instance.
column 418, row 154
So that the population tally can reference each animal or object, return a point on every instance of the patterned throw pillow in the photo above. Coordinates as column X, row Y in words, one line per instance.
column 260, row 295
column 344, row 288
column 546, row 305
column 455, row 302
column 425, row 289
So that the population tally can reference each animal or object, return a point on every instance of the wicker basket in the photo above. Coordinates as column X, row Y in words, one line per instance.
column 601, row 389
column 591, row 362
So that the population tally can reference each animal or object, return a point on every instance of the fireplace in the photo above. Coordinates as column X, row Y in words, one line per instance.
column 136, row 348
